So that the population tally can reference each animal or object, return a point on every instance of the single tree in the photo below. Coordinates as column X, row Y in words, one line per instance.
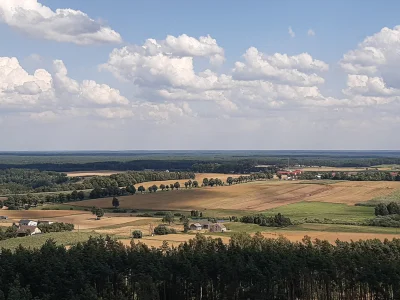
column 162, row 186
column 195, row 184
column 186, row 185
column 190, row 183
column 131, row 189
column 229, row 180
column 171, row 186
column 381, row 210
column 154, row 188
column 211, row 182
column 177, row 185
column 81, row 195
column 168, row 218
column 115, row 202
column 150, row 189
column 393, row 208
column 99, row 213
column 141, row 189
column 185, row 222
column 205, row 181
column 137, row 234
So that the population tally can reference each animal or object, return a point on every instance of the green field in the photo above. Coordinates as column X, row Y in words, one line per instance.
column 393, row 197
column 36, row 241
column 321, row 210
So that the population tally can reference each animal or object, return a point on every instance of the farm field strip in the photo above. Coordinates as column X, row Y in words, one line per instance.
column 255, row 196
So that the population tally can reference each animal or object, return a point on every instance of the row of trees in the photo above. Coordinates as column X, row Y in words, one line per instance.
column 276, row 221
column 18, row 181
column 353, row 176
column 203, row 268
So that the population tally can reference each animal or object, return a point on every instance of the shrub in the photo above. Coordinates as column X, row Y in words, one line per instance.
column 119, row 210
column 145, row 215
column 160, row 213
column 262, row 220
column 137, row 234
column 163, row 230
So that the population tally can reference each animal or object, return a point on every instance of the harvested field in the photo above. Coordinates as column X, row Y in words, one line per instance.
column 352, row 192
column 172, row 240
column 199, row 178
column 261, row 195
column 297, row 236
column 38, row 214
column 88, row 221
column 89, row 173
column 258, row 196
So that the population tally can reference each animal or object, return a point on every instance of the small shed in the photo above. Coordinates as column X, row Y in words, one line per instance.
column 25, row 230
column 195, row 226
column 217, row 227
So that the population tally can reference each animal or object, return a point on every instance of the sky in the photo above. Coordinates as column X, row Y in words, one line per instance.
column 199, row 75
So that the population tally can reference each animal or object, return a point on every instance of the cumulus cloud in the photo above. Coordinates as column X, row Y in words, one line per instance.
column 48, row 97
column 62, row 25
column 311, row 32
column 291, row 32
column 375, row 54
column 168, row 62
column 279, row 68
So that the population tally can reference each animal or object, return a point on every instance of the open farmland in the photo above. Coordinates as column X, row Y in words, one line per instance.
column 91, row 173
column 256, row 196
column 352, row 192
column 199, row 178
column 38, row 214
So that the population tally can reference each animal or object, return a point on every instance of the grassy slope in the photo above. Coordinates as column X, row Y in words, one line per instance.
column 321, row 210
column 36, row 241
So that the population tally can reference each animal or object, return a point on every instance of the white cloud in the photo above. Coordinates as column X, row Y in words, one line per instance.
column 62, row 25
column 291, row 32
column 279, row 68
column 311, row 32
column 166, row 62
column 375, row 54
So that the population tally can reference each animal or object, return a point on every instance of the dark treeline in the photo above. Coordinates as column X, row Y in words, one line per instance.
column 353, row 176
column 263, row 220
column 229, row 162
column 14, row 181
column 246, row 268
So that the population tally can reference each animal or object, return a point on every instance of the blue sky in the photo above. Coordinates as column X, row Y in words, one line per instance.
column 336, row 89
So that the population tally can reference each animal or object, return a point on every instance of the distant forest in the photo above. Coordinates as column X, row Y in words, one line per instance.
column 246, row 268
column 196, row 161
column 14, row 181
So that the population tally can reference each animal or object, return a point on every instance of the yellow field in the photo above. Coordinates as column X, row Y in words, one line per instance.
column 38, row 214
column 257, row 196
column 199, row 178
column 352, row 192
column 91, row 173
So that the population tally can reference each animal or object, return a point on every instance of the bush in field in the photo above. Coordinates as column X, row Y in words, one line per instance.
column 163, row 230
column 55, row 227
column 277, row 221
column 137, row 234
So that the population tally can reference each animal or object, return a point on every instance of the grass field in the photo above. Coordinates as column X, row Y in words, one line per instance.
column 36, row 241
column 320, row 210
column 256, row 196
